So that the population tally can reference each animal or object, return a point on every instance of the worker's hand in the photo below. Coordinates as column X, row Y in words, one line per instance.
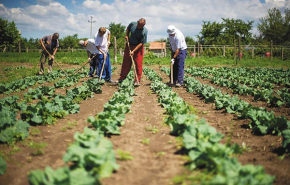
column 109, row 43
column 89, row 60
column 126, row 38
column 52, row 57
column 132, row 53
column 105, row 56
column 172, row 61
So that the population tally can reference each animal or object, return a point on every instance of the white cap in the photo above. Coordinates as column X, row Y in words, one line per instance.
column 81, row 42
column 171, row 29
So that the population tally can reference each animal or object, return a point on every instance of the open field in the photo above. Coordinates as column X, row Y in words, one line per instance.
column 146, row 149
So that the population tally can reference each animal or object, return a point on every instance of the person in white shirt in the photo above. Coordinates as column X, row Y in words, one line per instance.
column 178, row 54
column 102, row 42
column 92, row 50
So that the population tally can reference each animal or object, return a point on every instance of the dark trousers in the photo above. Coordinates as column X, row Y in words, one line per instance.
column 178, row 67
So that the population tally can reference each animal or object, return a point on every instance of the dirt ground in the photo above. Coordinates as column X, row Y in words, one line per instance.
column 156, row 162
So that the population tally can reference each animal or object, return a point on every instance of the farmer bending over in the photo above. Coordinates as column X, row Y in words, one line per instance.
column 178, row 53
column 49, row 44
column 92, row 50
column 102, row 42
column 136, row 39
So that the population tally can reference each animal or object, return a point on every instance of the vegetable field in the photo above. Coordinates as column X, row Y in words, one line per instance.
column 224, row 126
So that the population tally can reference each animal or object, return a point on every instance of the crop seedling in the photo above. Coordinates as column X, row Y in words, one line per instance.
column 153, row 129
column 124, row 155
column 160, row 154
column 37, row 147
column 34, row 131
column 145, row 141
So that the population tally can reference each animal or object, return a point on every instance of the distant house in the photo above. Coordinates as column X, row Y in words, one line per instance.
column 158, row 48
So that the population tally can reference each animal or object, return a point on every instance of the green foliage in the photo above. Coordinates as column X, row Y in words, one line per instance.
column 274, row 27
column 124, row 155
column 70, row 41
column 92, row 152
column 38, row 148
column 286, row 138
column 63, row 175
column 3, row 166
column 118, row 31
column 225, row 32
column 9, row 35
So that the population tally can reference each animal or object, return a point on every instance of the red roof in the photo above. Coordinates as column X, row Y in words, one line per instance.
column 157, row 45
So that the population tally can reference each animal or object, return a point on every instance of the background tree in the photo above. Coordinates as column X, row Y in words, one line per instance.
column 118, row 31
column 225, row 32
column 275, row 27
column 70, row 41
column 9, row 35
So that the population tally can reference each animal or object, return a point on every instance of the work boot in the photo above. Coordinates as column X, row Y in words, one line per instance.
column 178, row 85
column 136, row 84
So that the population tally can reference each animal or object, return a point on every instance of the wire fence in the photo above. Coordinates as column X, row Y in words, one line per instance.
column 229, row 51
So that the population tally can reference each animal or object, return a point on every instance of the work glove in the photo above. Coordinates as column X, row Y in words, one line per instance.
column 172, row 61
column 89, row 60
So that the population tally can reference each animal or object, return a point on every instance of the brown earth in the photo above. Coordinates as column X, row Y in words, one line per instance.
column 154, row 163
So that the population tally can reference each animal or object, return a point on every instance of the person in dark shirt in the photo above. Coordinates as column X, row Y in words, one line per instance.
column 49, row 43
column 136, row 39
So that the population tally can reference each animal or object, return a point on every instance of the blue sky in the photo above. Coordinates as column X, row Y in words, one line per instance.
column 37, row 18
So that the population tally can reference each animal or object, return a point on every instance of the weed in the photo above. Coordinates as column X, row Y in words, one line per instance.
column 154, row 129
column 34, row 131
column 38, row 148
column 145, row 141
column 123, row 155
column 161, row 153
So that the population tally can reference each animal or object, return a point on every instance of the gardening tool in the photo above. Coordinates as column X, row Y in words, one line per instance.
column 171, row 73
column 105, row 58
column 53, row 59
column 85, row 64
column 133, row 62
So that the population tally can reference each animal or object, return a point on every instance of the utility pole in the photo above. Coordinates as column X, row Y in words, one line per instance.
column 91, row 21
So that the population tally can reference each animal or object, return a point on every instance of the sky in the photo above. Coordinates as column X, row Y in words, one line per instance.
column 37, row 18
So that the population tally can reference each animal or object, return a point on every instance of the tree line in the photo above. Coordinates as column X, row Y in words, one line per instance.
column 274, row 27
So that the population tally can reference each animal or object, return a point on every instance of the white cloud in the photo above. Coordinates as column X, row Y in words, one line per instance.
column 50, row 16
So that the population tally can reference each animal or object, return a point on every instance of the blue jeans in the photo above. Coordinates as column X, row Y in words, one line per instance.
column 93, row 66
column 107, row 68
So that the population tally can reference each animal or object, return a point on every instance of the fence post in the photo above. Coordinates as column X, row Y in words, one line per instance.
column 26, row 49
column 115, row 49
column 194, row 50
column 224, row 53
column 235, row 57
column 282, row 54
column 198, row 49
column 239, row 49
column 271, row 50
column 253, row 52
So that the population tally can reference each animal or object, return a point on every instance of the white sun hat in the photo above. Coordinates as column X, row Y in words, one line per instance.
column 171, row 29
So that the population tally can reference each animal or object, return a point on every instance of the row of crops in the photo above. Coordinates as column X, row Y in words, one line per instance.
column 269, row 85
column 49, row 106
column 92, row 157
column 201, row 142
column 262, row 121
